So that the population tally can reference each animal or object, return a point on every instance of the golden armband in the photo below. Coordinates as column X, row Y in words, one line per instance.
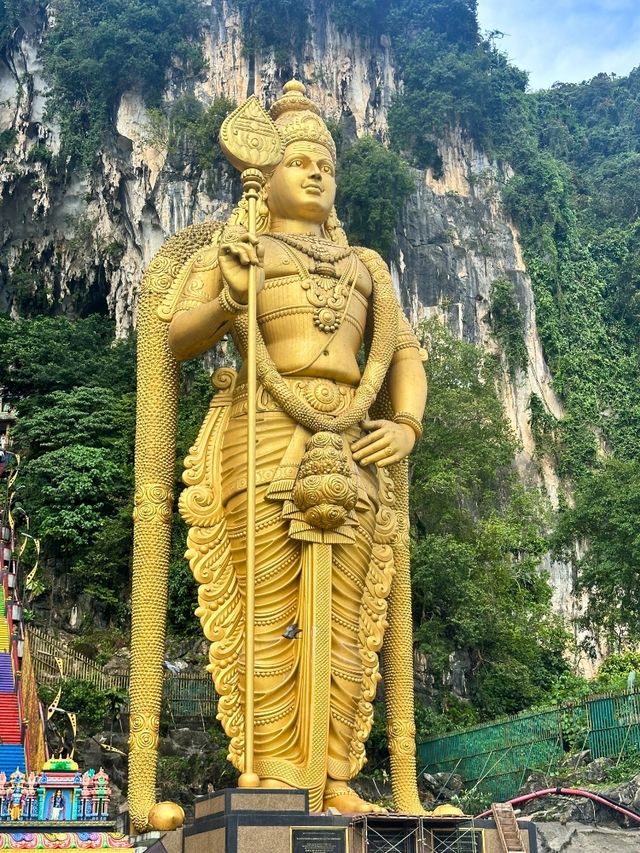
column 409, row 420
column 230, row 305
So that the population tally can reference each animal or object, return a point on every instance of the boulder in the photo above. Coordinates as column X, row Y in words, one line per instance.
column 596, row 771
column 575, row 838
column 579, row 759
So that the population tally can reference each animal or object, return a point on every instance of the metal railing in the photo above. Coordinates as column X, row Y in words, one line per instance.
column 186, row 695
column 495, row 758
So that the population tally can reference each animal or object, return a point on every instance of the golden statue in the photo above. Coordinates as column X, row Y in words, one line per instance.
column 328, row 570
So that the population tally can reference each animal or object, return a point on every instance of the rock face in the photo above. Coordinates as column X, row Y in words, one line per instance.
column 73, row 243
column 577, row 838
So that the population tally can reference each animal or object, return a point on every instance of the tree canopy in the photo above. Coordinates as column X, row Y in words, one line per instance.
column 98, row 49
column 478, row 539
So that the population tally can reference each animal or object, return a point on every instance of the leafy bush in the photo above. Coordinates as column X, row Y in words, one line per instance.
column 373, row 185
column 507, row 322
column 193, row 129
column 92, row 705
column 454, row 21
column 614, row 672
column 183, row 590
column 7, row 140
column 43, row 355
column 543, row 425
column 451, row 75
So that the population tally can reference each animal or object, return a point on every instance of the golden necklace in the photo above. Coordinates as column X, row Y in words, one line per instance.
column 383, row 344
column 317, row 248
column 327, row 291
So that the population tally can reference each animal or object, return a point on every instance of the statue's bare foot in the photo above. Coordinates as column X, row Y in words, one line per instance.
column 274, row 783
column 346, row 801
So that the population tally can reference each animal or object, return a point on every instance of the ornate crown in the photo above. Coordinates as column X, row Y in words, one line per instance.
column 298, row 118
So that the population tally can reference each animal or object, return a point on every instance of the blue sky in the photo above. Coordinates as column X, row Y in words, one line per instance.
column 567, row 40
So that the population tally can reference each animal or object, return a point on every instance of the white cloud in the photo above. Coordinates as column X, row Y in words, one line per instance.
column 571, row 41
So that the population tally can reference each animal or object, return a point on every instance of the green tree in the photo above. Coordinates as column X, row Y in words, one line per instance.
column 195, row 394
column 280, row 25
column 194, row 130
column 373, row 185
column 84, row 415
column 69, row 493
column 49, row 354
column 98, row 49
column 13, row 14
column 604, row 521
column 73, row 388
column 478, row 540
column 446, row 85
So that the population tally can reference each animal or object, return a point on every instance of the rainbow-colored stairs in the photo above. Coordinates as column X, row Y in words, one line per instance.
column 11, row 748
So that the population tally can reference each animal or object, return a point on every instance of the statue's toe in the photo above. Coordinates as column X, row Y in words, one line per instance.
column 346, row 801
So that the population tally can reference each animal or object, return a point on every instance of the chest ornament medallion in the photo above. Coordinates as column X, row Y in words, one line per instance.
column 326, row 289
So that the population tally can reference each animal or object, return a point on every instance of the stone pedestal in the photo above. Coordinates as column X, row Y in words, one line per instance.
column 263, row 821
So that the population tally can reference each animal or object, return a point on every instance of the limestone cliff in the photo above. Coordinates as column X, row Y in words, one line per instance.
column 75, row 243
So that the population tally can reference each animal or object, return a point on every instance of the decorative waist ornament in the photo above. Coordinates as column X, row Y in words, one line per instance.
column 325, row 491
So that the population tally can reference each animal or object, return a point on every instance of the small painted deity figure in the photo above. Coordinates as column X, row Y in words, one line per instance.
column 57, row 806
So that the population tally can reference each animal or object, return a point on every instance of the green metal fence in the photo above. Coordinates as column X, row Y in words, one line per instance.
column 614, row 725
column 190, row 695
column 496, row 758
column 185, row 695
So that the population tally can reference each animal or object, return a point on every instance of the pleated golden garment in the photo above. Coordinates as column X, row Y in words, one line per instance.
column 313, row 694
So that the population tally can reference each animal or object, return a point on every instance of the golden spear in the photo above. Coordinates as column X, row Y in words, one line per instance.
column 251, row 142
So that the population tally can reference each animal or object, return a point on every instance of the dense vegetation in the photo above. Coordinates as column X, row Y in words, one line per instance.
column 74, row 390
column 479, row 537
column 374, row 185
column 575, row 196
column 75, row 394
column 98, row 49
column 12, row 12
column 281, row 26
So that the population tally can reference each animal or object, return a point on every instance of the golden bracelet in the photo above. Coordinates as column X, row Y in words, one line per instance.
column 407, row 419
column 229, row 304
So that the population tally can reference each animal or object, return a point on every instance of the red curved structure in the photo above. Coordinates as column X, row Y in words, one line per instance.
column 573, row 792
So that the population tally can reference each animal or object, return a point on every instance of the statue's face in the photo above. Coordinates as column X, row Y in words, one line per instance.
column 303, row 186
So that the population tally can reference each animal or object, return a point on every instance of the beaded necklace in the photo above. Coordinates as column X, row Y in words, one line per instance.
column 323, row 251
column 325, row 289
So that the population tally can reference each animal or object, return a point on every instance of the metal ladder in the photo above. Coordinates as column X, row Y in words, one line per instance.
column 507, row 827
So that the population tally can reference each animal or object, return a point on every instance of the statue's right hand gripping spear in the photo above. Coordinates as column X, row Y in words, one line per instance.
column 251, row 142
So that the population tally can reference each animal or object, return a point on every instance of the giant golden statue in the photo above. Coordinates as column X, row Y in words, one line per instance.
column 327, row 472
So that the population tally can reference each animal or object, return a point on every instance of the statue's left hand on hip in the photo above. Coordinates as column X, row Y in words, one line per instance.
column 384, row 444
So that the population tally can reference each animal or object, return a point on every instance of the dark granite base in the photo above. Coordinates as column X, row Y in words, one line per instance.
column 265, row 821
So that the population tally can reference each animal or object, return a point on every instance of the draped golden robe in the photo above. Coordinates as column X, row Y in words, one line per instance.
column 313, row 693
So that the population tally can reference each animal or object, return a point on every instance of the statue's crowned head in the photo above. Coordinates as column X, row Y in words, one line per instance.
column 302, row 185
column 298, row 119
